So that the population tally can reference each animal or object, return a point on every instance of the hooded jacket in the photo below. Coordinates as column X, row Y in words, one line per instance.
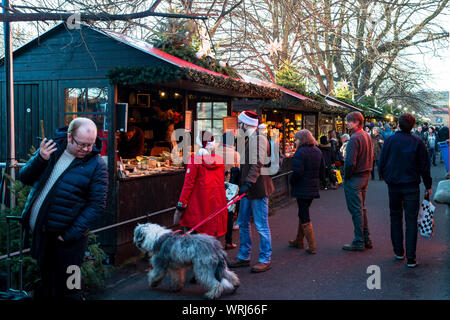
column 75, row 200
column 203, row 194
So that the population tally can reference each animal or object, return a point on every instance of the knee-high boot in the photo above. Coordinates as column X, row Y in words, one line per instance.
column 309, row 235
column 298, row 241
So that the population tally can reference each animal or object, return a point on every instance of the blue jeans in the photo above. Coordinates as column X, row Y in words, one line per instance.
column 259, row 209
column 355, row 195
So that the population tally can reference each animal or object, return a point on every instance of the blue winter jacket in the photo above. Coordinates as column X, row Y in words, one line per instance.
column 76, row 199
column 308, row 170
column 403, row 160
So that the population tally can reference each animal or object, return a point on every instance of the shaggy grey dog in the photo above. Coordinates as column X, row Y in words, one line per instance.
column 173, row 253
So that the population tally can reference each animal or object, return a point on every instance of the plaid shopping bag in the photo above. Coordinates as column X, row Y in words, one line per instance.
column 425, row 219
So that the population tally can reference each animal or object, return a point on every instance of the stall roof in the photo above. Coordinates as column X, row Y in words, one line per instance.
column 338, row 103
column 375, row 111
column 275, row 86
column 147, row 48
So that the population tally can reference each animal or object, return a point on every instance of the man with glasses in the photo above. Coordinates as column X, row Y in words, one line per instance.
column 69, row 188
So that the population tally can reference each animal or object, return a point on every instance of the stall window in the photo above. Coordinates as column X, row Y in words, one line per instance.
column 210, row 114
column 310, row 123
column 86, row 102
column 90, row 103
column 326, row 124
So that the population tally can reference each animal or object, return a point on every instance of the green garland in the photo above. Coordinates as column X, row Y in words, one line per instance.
column 164, row 74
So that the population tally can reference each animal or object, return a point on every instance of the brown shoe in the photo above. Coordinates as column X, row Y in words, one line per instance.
column 237, row 263
column 261, row 267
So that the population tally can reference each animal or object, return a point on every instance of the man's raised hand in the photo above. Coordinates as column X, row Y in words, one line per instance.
column 46, row 148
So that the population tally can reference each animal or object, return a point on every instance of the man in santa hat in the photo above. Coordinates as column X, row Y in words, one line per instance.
column 257, row 186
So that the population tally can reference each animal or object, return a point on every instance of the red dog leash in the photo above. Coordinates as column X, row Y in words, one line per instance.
column 233, row 200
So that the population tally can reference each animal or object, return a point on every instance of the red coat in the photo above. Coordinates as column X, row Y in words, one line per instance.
column 204, row 193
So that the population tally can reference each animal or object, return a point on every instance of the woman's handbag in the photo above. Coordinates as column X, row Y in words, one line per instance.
column 231, row 191
column 425, row 219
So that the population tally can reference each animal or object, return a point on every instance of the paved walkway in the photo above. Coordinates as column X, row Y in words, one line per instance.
column 332, row 273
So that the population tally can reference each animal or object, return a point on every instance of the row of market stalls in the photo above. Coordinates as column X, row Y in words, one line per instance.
column 120, row 82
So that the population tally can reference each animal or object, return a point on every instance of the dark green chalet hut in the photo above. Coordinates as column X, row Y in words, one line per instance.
column 67, row 72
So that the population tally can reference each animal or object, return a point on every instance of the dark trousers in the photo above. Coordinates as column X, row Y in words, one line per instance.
column 432, row 156
column 303, row 210
column 404, row 200
column 230, row 220
column 375, row 162
column 57, row 257
column 355, row 195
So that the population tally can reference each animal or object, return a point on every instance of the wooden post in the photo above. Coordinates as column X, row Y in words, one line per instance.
column 11, row 159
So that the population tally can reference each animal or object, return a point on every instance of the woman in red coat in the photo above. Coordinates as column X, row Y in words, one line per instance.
column 204, row 190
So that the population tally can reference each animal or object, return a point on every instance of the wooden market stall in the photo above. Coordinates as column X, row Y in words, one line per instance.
column 126, row 85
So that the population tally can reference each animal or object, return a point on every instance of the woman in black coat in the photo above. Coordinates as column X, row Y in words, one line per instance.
column 308, row 169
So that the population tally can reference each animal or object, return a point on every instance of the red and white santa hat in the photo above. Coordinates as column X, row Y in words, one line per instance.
column 249, row 117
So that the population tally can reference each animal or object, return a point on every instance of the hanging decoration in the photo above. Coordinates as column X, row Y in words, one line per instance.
column 273, row 47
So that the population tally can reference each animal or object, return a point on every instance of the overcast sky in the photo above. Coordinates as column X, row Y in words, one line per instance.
column 439, row 67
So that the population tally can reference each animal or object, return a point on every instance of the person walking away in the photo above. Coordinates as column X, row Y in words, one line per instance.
column 377, row 142
column 308, row 167
column 232, row 162
column 329, row 157
column 431, row 144
column 403, row 161
column 203, row 191
column 357, row 167
column 69, row 183
column 332, row 139
column 442, row 136
column 257, row 186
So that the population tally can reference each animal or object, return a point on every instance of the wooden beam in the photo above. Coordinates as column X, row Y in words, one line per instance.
column 44, row 16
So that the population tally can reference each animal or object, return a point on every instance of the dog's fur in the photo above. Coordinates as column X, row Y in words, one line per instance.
column 173, row 253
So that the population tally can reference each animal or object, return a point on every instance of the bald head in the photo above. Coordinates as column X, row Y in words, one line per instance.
column 81, row 136
column 84, row 124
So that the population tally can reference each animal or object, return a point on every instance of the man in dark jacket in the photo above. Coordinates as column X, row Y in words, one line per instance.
column 257, row 185
column 69, row 189
column 357, row 167
column 403, row 161
column 377, row 142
